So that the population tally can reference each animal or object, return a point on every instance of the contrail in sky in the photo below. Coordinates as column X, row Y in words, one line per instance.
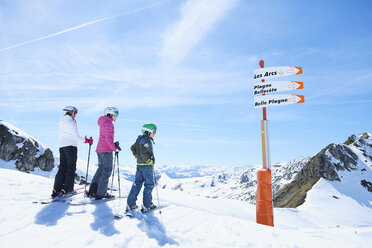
column 83, row 25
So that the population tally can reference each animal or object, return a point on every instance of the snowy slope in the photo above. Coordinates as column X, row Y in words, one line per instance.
column 188, row 221
column 335, row 213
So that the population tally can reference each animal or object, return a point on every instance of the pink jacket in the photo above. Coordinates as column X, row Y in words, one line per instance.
column 106, row 135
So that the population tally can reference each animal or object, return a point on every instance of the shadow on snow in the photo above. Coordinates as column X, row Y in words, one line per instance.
column 103, row 220
column 51, row 213
column 151, row 225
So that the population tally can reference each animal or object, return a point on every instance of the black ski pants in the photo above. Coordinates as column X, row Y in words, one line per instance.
column 65, row 177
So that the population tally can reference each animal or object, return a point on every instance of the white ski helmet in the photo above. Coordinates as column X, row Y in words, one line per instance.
column 112, row 111
column 69, row 109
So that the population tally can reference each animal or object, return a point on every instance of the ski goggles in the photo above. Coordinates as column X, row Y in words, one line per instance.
column 116, row 113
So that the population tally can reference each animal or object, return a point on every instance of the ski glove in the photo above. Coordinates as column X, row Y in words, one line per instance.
column 90, row 141
column 118, row 148
column 153, row 159
column 149, row 162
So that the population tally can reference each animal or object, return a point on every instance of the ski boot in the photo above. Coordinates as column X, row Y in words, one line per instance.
column 55, row 194
column 106, row 196
column 146, row 209
column 131, row 208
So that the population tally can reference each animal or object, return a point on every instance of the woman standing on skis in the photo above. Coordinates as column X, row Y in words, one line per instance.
column 105, row 147
column 68, row 138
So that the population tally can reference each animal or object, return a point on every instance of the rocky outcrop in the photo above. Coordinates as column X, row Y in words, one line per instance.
column 366, row 184
column 327, row 164
column 283, row 174
column 23, row 149
column 294, row 193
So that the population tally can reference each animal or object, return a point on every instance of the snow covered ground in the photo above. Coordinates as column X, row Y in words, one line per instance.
column 188, row 221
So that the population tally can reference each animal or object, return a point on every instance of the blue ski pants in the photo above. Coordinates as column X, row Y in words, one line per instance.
column 144, row 174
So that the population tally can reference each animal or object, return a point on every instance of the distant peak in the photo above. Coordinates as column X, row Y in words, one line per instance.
column 365, row 136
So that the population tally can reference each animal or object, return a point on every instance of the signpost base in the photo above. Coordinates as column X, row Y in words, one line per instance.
column 264, row 203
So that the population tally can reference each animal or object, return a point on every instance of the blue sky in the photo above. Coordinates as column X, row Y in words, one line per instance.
column 187, row 65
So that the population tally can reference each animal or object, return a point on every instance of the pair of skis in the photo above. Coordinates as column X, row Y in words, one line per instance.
column 67, row 198
column 135, row 212
column 61, row 198
column 91, row 200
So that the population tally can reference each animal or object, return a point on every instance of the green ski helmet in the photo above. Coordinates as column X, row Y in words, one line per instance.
column 149, row 128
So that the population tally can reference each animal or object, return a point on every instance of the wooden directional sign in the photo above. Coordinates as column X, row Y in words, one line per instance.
column 277, row 100
column 273, row 72
column 276, row 86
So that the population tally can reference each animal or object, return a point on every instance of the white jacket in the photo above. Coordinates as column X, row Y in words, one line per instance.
column 68, row 133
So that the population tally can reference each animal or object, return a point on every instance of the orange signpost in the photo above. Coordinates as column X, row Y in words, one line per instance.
column 264, row 205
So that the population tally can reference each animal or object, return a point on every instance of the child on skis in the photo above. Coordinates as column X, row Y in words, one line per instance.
column 143, row 152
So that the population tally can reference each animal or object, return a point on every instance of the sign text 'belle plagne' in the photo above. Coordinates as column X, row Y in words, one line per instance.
column 277, row 100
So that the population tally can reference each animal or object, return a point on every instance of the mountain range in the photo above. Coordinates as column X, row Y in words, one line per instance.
column 349, row 163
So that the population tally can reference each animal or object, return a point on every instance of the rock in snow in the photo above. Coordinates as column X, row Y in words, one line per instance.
column 23, row 149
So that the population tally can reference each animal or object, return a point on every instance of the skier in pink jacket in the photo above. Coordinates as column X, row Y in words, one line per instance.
column 105, row 147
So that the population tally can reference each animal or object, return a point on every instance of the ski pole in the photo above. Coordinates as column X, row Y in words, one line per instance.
column 86, row 175
column 113, row 174
column 117, row 160
column 156, row 188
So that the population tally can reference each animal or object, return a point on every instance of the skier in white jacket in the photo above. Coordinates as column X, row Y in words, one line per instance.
column 69, row 138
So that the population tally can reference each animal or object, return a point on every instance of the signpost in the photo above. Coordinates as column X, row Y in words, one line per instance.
column 264, row 207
